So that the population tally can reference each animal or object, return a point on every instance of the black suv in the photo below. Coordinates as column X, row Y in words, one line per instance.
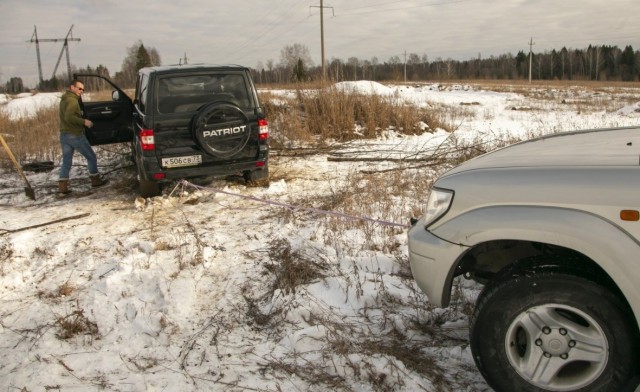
column 186, row 121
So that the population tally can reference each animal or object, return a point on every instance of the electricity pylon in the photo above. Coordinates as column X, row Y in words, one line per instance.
column 65, row 48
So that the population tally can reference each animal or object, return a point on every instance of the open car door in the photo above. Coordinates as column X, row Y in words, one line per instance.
column 112, row 119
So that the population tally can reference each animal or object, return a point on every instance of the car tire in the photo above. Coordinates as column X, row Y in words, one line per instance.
column 257, row 177
column 149, row 188
column 222, row 129
column 549, row 331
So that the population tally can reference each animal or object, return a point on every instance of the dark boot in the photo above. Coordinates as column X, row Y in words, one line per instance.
column 97, row 181
column 63, row 187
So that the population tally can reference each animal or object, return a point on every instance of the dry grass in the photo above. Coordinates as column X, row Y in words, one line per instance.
column 584, row 95
column 322, row 115
column 31, row 139
column 75, row 323
column 290, row 268
column 497, row 84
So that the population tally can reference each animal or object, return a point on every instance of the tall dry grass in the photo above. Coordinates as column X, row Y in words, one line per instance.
column 31, row 139
column 329, row 114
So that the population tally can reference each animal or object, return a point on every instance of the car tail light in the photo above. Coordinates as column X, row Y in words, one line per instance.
column 147, row 142
column 263, row 127
column 158, row 176
column 260, row 164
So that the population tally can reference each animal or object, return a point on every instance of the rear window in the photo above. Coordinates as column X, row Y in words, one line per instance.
column 188, row 93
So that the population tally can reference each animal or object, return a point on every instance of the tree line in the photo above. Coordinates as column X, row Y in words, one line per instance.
column 603, row 63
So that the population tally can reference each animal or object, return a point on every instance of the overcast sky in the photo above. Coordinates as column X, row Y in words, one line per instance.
column 248, row 32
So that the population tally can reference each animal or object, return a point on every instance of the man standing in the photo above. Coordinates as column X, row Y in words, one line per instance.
column 72, row 137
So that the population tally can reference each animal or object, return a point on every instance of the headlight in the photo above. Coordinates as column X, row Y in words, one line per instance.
column 438, row 203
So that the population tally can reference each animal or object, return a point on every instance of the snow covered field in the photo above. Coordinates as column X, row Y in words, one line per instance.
column 207, row 288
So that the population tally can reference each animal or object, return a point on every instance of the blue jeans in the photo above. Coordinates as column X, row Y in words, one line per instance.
column 71, row 143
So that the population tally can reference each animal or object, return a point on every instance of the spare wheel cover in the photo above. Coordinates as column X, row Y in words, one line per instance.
column 221, row 129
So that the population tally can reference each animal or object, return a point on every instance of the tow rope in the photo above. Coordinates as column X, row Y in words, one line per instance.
column 294, row 207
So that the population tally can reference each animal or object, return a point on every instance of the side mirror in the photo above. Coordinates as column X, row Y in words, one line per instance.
column 115, row 95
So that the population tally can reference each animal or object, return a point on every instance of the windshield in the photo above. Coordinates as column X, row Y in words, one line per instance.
column 179, row 94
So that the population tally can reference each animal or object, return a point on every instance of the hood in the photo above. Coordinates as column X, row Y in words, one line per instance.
column 603, row 147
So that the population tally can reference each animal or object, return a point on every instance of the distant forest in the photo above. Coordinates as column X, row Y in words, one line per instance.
column 604, row 63
column 599, row 63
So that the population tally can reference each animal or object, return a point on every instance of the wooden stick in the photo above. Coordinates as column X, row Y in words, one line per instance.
column 28, row 190
column 46, row 223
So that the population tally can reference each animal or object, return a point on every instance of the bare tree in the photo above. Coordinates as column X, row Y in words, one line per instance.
column 353, row 62
column 291, row 54
column 270, row 67
column 449, row 64
column 365, row 66
column 374, row 64
column 336, row 67
column 425, row 64
column 597, row 64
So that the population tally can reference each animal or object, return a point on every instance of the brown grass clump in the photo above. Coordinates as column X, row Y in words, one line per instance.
column 290, row 268
column 74, row 324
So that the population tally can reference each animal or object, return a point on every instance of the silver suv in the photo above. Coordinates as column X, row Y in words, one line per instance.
column 551, row 227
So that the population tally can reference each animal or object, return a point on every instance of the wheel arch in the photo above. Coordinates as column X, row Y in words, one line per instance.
column 507, row 238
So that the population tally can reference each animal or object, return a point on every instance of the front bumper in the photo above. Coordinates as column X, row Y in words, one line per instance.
column 433, row 262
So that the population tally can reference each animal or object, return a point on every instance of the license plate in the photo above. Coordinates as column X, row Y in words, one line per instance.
column 190, row 160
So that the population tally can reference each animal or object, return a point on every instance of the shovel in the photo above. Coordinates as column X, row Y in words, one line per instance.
column 27, row 190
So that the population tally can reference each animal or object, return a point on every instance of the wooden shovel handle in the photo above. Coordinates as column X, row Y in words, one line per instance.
column 13, row 159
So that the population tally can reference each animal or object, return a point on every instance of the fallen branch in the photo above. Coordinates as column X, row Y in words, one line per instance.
column 373, row 159
column 5, row 231
column 402, row 168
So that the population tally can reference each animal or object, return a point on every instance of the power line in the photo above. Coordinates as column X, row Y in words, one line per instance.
column 264, row 33
column 399, row 8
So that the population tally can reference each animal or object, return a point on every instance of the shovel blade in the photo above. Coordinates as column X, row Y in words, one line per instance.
column 31, row 194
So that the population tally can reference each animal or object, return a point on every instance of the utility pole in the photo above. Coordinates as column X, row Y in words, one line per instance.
column 65, row 47
column 531, row 43
column 324, row 71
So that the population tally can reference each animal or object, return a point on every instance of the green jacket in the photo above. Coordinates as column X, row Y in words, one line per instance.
column 71, row 120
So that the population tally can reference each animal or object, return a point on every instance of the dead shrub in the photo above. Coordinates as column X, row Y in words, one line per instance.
column 74, row 324
column 66, row 289
column 290, row 267
column 286, row 270
column 311, row 373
